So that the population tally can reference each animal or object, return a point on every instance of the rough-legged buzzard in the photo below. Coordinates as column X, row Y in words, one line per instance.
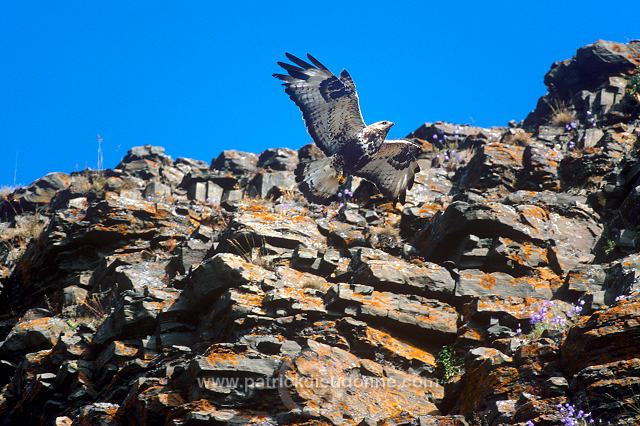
column 331, row 112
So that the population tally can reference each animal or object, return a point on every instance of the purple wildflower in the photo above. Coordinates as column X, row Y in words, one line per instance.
column 572, row 418
column 558, row 321
column 519, row 329
column 529, row 423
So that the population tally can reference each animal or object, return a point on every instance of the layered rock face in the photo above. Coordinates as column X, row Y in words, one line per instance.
column 177, row 292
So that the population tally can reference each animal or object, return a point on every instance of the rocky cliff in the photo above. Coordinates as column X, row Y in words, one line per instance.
column 505, row 290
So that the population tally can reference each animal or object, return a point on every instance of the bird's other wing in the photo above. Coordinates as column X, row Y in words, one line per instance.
column 329, row 104
column 393, row 168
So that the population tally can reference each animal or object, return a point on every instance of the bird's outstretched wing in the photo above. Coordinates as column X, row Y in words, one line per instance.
column 393, row 168
column 329, row 104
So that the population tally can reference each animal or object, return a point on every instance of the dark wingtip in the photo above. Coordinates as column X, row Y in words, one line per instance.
column 316, row 62
column 294, row 71
column 298, row 61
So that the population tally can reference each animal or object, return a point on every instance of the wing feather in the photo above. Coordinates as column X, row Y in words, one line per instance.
column 393, row 168
column 329, row 104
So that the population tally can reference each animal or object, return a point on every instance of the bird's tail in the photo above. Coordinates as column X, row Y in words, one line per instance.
column 318, row 180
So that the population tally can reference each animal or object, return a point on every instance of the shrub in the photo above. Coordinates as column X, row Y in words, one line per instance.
column 449, row 363
column 633, row 85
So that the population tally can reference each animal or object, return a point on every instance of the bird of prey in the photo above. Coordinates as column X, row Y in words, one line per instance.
column 331, row 113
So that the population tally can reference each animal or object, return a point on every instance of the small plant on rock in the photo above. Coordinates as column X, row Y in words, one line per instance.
column 543, row 319
column 610, row 247
column 573, row 417
column 449, row 363
column 570, row 416
column 633, row 86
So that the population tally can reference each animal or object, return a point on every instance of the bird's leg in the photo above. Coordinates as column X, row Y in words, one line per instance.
column 345, row 193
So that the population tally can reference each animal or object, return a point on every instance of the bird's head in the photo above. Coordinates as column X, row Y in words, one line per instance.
column 383, row 124
column 382, row 127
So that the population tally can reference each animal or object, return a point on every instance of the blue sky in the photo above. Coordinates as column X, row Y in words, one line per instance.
column 195, row 76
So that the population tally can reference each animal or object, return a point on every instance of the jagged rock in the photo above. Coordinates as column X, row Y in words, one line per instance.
column 493, row 165
column 366, row 341
column 312, row 260
column 430, row 185
column 343, row 234
column 255, row 227
column 473, row 282
column 440, row 421
column 38, row 194
column 135, row 315
column 147, row 162
column 179, row 293
column 590, row 84
column 355, row 395
column 237, row 162
column 99, row 414
column 601, row 351
column 309, row 152
column 387, row 273
column 539, row 225
column 441, row 134
column 400, row 313
column 35, row 331
column 606, row 336
column 278, row 159
column 205, row 191
column 592, row 65
column 265, row 182
column 74, row 295
column 540, row 168
column 206, row 282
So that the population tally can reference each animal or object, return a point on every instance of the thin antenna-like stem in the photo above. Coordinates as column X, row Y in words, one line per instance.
column 100, row 139
column 15, row 171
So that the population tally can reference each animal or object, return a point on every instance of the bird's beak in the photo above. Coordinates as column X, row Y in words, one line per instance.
column 391, row 124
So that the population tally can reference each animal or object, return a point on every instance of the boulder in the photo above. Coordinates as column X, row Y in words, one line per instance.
column 387, row 273
column 278, row 159
column 36, row 330
column 359, row 390
column 408, row 315
column 236, row 162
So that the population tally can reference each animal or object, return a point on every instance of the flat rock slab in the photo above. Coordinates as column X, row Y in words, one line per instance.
column 388, row 273
column 607, row 335
column 336, row 386
column 256, row 225
column 474, row 282
column 411, row 314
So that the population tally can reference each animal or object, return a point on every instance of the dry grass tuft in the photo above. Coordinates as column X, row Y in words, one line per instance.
column 560, row 114
column 27, row 227
column 5, row 191
column 314, row 284
column 386, row 237
column 253, row 252
column 520, row 138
